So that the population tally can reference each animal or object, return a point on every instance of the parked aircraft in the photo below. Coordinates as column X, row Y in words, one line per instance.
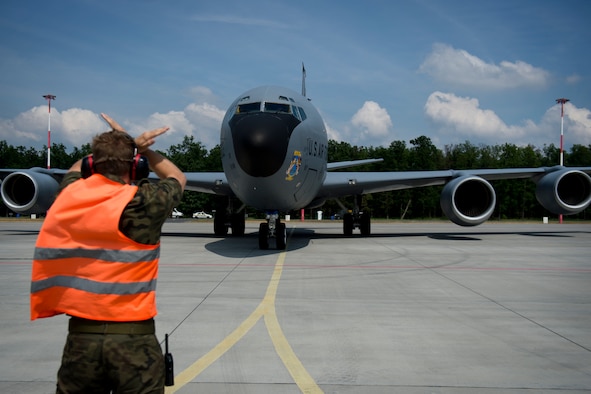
column 274, row 155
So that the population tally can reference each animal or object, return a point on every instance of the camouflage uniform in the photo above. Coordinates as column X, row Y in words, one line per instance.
column 121, row 363
column 95, row 363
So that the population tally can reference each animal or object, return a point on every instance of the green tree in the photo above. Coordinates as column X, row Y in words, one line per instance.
column 425, row 156
column 189, row 155
column 580, row 155
column 192, row 156
column 462, row 156
column 59, row 157
column 515, row 198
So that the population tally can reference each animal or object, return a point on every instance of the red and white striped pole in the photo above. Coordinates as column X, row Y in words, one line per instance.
column 561, row 101
column 49, row 97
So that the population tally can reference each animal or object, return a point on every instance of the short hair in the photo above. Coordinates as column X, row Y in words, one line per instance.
column 113, row 152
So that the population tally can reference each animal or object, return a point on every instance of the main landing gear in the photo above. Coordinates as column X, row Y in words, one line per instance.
column 226, row 218
column 356, row 219
column 273, row 228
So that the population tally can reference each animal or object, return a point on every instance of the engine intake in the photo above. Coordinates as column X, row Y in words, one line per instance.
column 29, row 191
column 564, row 192
column 468, row 200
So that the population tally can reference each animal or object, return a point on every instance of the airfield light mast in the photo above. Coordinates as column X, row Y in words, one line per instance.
column 49, row 97
column 561, row 101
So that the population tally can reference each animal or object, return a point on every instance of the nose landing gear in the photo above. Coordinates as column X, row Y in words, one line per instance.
column 273, row 228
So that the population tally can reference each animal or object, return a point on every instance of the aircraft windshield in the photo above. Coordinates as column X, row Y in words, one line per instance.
column 250, row 107
column 276, row 107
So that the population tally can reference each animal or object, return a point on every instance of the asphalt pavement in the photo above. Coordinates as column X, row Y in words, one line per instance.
column 414, row 308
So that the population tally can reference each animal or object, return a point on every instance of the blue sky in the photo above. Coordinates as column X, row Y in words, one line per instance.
column 487, row 72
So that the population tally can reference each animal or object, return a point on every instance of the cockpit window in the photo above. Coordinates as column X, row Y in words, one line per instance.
column 275, row 107
column 303, row 115
column 246, row 108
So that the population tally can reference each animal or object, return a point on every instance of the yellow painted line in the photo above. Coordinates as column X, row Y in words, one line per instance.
column 296, row 369
column 265, row 309
column 200, row 365
column 293, row 364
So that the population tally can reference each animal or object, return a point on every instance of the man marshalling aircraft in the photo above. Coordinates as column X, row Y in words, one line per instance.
column 274, row 155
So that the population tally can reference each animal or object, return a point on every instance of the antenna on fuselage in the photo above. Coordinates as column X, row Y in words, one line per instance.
column 303, row 80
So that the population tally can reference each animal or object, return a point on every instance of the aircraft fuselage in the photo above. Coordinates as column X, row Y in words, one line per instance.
column 274, row 149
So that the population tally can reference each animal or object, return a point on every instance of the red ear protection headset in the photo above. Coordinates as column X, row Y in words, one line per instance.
column 140, row 168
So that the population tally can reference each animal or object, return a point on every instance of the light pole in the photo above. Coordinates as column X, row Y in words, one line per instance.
column 561, row 101
column 49, row 97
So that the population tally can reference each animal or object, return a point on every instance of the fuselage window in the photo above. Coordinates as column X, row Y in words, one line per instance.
column 250, row 107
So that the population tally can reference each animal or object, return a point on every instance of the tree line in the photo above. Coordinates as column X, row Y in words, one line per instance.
column 515, row 198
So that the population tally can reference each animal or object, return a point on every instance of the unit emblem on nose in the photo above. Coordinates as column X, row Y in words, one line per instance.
column 294, row 165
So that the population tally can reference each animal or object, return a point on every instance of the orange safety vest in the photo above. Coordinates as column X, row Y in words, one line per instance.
column 84, row 265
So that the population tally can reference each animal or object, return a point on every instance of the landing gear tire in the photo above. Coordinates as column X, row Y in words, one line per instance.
column 365, row 224
column 219, row 225
column 281, row 236
column 238, row 224
column 264, row 236
column 348, row 224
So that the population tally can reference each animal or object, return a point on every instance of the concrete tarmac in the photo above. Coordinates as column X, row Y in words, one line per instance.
column 414, row 308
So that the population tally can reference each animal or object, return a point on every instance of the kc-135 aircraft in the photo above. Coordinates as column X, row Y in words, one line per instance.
column 274, row 156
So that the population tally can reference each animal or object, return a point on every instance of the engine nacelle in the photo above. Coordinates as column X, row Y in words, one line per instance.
column 468, row 200
column 28, row 191
column 564, row 192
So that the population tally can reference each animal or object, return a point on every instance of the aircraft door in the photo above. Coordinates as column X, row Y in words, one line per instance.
column 306, row 190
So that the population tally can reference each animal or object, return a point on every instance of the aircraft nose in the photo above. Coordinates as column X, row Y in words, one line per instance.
column 260, row 143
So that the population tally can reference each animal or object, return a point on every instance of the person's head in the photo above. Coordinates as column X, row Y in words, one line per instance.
column 113, row 153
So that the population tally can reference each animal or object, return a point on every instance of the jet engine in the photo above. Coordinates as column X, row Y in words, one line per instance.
column 29, row 191
column 468, row 200
column 564, row 192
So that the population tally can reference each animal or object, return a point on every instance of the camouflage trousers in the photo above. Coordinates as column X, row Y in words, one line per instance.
column 111, row 363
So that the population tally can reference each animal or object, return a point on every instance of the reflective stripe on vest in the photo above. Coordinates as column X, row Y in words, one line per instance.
column 122, row 256
column 84, row 266
column 93, row 286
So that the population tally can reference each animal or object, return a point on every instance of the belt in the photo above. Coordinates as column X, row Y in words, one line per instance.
column 85, row 326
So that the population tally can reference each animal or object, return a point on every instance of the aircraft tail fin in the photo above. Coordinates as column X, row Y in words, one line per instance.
column 303, row 80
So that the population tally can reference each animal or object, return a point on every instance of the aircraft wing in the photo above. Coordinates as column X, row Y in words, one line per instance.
column 339, row 184
column 53, row 172
column 350, row 163
column 207, row 182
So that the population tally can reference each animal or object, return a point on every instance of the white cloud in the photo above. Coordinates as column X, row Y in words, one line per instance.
column 332, row 134
column 201, row 94
column 25, row 128
column 462, row 117
column 79, row 126
column 72, row 127
column 207, row 119
column 76, row 126
column 458, row 67
column 372, row 119
column 371, row 125
column 577, row 124
column 202, row 121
